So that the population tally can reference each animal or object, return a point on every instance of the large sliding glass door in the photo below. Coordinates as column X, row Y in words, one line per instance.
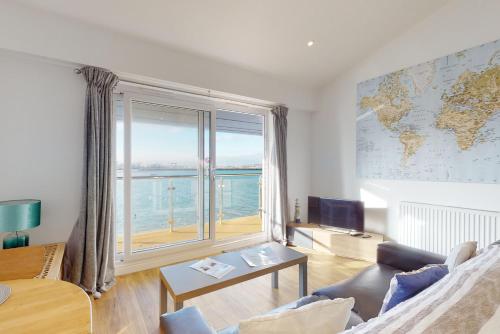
column 169, row 189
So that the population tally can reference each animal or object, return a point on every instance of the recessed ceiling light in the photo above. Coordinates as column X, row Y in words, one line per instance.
column 310, row 43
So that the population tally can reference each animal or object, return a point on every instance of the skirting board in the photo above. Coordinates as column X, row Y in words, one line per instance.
column 156, row 261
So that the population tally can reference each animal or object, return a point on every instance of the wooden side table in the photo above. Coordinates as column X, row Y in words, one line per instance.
column 45, row 306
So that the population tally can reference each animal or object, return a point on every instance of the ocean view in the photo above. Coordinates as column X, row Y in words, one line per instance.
column 151, row 198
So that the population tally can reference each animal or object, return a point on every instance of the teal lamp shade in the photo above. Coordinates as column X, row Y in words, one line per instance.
column 16, row 216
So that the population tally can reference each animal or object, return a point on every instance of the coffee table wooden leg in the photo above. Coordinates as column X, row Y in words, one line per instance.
column 275, row 277
column 303, row 279
column 163, row 299
column 178, row 305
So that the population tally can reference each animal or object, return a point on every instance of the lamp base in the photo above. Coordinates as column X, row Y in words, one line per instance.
column 17, row 239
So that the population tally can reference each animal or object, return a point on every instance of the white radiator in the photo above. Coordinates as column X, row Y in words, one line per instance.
column 438, row 229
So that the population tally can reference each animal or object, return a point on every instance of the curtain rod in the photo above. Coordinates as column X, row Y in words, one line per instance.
column 265, row 105
column 208, row 95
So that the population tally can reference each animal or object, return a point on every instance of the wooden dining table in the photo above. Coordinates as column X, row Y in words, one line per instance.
column 45, row 306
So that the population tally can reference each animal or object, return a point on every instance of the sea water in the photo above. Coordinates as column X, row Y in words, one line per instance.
column 152, row 201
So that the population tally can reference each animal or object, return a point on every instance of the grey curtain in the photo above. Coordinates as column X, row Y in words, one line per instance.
column 280, row 214
column 89, row 258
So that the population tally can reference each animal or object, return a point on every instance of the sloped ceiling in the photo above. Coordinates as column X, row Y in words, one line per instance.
column 267, row 36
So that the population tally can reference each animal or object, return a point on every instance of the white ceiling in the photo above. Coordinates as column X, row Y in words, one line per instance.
column 267, row 36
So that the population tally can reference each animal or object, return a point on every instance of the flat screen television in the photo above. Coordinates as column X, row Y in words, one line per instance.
column 339, row 213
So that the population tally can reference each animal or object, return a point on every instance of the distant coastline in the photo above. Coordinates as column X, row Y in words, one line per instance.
column 155, row 167
column 150, row 171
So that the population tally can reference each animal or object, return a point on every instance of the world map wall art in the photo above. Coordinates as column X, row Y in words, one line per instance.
column 437, row 121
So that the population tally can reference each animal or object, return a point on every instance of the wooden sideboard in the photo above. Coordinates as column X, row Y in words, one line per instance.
column 43, row 261
column 340, row 243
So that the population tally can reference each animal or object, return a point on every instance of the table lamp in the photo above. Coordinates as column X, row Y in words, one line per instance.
column 16, row 216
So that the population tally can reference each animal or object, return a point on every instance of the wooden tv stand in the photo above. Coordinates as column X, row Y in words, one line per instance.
column 338, row 242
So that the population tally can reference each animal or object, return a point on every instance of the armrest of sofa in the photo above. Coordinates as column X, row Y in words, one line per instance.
column 405, row 258
column 189, row 320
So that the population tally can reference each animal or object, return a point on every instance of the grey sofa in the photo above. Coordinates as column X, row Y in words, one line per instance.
column 368, row 288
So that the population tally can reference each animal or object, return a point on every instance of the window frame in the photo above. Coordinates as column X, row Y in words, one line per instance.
column 131, row 92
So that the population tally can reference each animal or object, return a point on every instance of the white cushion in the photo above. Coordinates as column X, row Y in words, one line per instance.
column 461, row 253
column 321, row 317
column 388, row 295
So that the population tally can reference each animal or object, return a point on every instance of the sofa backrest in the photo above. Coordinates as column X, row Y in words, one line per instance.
column 464, row 301
column 405, row 258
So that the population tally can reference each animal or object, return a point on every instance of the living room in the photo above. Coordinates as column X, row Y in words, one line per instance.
column 321, row 152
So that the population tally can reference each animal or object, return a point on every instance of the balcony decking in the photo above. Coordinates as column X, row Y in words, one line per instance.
column 229, row 228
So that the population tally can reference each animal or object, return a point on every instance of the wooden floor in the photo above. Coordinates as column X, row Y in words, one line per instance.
column 132, row 305
column 227, row 229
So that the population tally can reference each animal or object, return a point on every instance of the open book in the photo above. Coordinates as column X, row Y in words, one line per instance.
column 212, row 267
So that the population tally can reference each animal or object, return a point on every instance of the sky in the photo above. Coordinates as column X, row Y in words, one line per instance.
column 166, row 144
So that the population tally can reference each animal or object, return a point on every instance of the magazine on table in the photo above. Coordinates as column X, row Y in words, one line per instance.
column 212, row 267
column 260, row 256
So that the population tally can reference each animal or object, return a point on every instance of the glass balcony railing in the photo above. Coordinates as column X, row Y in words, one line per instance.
column 165, row 209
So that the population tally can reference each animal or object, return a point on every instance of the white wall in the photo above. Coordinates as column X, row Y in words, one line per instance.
column 41, row 140
column 41, row 113
column 299, row 160
column 36, row 32
column 457, row 26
